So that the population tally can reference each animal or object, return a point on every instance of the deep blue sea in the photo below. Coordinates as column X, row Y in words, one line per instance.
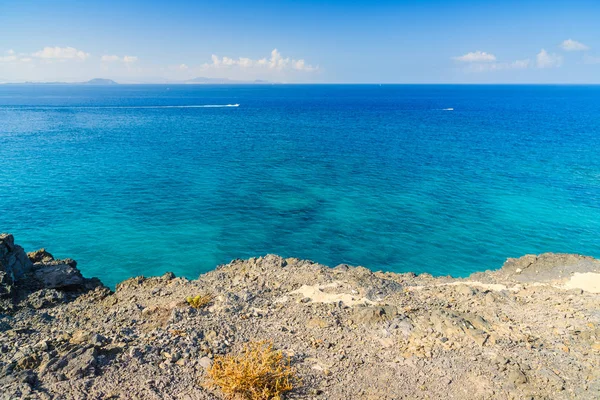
column 134, row 180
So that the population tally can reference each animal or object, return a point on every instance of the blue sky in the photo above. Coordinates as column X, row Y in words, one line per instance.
column 426, row 41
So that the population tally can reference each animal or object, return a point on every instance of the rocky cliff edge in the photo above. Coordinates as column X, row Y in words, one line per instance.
column 528, row 330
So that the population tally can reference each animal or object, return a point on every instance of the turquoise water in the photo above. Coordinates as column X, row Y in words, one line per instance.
column 380, row 176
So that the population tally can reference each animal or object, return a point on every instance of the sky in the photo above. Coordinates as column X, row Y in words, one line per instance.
column 425, row 41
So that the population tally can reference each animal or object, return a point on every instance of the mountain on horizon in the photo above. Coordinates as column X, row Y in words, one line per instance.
column 100, row 81
column 109, row 82
column 95, row 82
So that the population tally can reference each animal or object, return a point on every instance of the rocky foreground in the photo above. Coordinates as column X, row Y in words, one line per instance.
column 528, row 330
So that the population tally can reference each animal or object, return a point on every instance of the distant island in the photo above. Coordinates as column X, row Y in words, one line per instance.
column 100, row 81
column 194, row 81
column 95, row 82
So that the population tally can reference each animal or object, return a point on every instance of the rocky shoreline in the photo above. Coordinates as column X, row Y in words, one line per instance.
column 528, row 330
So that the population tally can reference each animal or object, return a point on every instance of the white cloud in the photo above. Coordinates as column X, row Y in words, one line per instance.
column 108, row 58
column 520, row 64
column 482, row 67
column 245, row 62
column 275, row 62
column 65, row 64
column 61, row 53
column 129, row 59
column 113, row 58
column 476, row 56
column 9, row 57
column 12, row 57
column 548, row 60
column 573, row 45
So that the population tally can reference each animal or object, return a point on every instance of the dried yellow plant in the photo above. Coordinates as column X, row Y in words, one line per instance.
column 257, row 373
column 200, row 301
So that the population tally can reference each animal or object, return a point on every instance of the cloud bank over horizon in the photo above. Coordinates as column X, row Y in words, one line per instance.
column 481, row 61
column 131, row 68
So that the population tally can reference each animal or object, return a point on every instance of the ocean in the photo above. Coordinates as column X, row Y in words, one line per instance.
column 446, row 179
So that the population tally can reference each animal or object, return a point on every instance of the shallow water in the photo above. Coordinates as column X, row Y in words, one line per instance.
column 382, row 176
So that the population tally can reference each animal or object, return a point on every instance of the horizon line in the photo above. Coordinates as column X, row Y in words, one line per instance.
column 250, row 83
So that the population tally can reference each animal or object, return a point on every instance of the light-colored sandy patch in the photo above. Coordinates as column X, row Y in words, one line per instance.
column 316, row 294
column 588, row 281
column 496, row 287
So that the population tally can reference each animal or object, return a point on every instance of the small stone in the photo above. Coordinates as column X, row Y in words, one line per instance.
column 517, row 377
column 134, row 352
column 79, row 337
column 97, row 340
column 317, row 323
column 375, row 314
column 43, row 345
column 466, row 290
column 205, row 362
column 490, row 298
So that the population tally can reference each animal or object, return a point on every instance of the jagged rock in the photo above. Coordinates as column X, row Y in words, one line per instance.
column 374, row 314
column 40, row 255
column 82, row 365
column 46, row 298
column 18, row 385
column 4, row 326
column 6, row 285
column 63, row 276
column 13, row 259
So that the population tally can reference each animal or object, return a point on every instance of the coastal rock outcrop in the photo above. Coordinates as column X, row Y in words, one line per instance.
column 24, row 275
column 349, row 332
column 14, row 263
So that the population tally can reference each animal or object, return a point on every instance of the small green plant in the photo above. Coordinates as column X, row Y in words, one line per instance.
column 200, row 301
column 257, row 373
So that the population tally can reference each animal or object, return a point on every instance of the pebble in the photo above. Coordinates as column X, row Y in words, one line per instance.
column 205, row 362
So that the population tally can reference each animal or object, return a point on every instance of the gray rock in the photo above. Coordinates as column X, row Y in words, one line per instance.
column 46, row 298
column 4, row 326
column 13, row 259
column 97, row 340
column 6, row 285
column 374, row 314
column 82, row 365
column 135, row 352
column 63, row 276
